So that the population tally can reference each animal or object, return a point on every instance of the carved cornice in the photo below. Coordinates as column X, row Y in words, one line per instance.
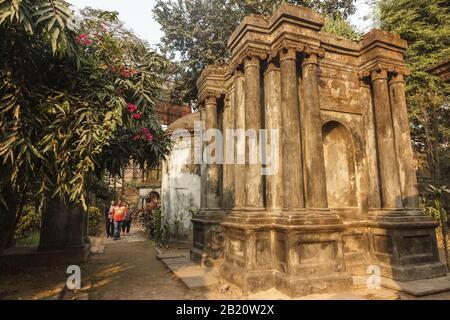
column 295, row 30
column 212, row 82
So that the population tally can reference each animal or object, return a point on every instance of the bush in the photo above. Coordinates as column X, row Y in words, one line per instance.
column 155, row 227
column 29, row 222
column 144, row 217
column 95, row 221
column 31, row 240
column 436, row 206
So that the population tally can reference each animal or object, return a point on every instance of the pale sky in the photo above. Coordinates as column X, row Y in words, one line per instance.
column 137, row 15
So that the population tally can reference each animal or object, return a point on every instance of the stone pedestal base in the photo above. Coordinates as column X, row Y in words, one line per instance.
column 208, row 239
column 403, row 244
column 299, row 252
column 292, row 285
column 63, row 226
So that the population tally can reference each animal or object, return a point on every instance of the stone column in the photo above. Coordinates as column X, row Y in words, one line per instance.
column 239, row 114
column 202, row 164
column 406, row 165
column 370, row 144
column 315, row 179
column 253, row 177
column 387, row 161
column 212, row 169
column 228, row 166
column 272, row 94
column 290, row 134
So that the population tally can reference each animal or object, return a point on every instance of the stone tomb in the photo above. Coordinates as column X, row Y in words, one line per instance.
column 344, row 196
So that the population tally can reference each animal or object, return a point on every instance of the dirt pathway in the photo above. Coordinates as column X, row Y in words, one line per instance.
column 129, row 269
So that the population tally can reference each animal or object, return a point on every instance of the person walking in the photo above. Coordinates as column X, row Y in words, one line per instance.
column 126, row 226
column 118, row 212
column 109, row 222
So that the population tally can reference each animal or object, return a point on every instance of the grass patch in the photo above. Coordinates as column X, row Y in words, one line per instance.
column 31, row 240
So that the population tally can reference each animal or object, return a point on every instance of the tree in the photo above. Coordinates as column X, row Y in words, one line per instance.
column 424, row 24
column 196, row 32
column 73, row 99
column 437, row 207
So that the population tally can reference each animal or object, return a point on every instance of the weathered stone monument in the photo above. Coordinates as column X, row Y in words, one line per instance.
column 180, row 187
column 344, row 196
column 63, row 238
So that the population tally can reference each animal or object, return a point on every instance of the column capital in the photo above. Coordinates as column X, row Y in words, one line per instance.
column 251, row 61
column 286, row 46
column 383, row 71
column 208, row 97
column 312, row 55
column 287, row 54
column 379, row 74
column 211, row 99
column 251, row 54
column 398, row 75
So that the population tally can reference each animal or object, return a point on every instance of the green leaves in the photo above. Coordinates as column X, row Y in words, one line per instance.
column 62, row 115
column 51, row 18
column 424, row 24
column 17, row 11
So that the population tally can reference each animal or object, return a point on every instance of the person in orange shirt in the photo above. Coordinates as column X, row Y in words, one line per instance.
column 118, row 212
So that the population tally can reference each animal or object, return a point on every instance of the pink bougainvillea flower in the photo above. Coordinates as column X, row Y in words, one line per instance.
column 136, row 137
column 84, row 39
column 137, row 115
column 147, row 134
column 149, row 137
column 131, row 107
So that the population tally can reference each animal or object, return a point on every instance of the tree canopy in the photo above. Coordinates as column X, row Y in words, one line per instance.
column 424, row 25
column 77, row 98
column 196, row 32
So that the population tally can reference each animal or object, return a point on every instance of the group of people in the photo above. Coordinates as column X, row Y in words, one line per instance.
column 118, row 218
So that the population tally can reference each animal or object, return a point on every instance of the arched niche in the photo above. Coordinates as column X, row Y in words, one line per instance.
column 340, row 169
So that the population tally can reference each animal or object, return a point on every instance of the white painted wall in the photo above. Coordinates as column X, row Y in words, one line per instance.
column 180, row 188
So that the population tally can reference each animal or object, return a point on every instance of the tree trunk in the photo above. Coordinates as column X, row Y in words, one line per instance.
column 445, row 241
column 435, row 144
column 429, row 145
column 7, row 218
column 122, row 191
